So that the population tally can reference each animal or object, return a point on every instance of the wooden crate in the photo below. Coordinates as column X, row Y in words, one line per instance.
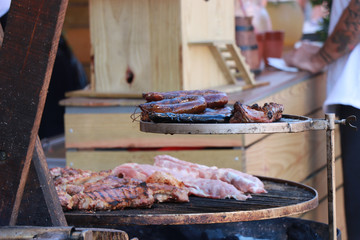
column 145, row 45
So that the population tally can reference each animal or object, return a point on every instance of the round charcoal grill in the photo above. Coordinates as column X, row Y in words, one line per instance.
column 283, row 198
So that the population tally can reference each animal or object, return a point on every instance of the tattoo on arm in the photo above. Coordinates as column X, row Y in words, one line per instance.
column 346, row 34
column 325, row 56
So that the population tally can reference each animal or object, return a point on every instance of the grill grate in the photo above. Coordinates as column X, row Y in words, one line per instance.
column 284, row 198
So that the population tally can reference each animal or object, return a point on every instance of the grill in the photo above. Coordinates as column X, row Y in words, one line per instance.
column 284, row 198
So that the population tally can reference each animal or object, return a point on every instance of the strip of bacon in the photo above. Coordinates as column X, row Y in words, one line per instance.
column 242, row 181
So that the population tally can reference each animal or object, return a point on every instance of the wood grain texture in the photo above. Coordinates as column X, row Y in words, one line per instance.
column 320, row 214
column 124, row 44
column 289, row 156
column 204, row 21
column 40, row 205
column 304, row 98
column 149, row 39
column 104, row 160
column 118, row 131
column 26, row 61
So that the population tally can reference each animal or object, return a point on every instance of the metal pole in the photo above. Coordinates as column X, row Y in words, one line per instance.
column 330, row 152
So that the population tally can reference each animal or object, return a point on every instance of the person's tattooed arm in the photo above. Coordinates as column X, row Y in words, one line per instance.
column 345, row 35
column 343, row 39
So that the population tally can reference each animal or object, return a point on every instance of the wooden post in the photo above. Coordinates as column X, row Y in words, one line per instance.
column 26, row 61
column 330, row 152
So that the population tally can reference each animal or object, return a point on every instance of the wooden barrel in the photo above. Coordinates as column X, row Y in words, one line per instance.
column 246, row 40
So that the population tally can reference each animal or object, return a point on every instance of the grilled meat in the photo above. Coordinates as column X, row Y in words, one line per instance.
column 67, row 175
column 214, row 98
column 168, row 193
column 210, row 188
column 270, row 112
column 127, row 196
column 242, row 181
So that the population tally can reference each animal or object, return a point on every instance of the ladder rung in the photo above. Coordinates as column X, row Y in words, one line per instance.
column 232, row 67
column 229, row 58
column 238, row 75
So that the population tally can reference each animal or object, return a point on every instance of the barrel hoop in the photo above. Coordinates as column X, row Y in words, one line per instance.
column 244, row 28
column 249, row 47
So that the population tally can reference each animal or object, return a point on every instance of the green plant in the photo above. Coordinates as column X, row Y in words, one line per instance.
column 323, row 32
column 316, row 2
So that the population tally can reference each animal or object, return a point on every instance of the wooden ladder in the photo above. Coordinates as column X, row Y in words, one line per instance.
column 232, row 63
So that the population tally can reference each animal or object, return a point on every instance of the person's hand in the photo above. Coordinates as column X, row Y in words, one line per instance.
column 305, row 58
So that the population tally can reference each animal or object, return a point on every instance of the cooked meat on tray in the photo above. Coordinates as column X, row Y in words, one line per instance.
column 270, row 112
column 214, row 98
column 204, row 106
column 133, row 185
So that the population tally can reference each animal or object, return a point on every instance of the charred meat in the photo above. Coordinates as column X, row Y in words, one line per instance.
column 270, row 112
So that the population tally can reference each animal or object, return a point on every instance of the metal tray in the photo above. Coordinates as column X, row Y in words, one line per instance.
column 287, row 124
column 284, row 198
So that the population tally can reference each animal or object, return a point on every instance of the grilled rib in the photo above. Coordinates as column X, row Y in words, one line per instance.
column 169, row 193
column 127, row 196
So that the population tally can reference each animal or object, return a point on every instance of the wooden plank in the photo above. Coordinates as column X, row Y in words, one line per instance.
column 204, row 21
column 120, row 47
column 39, row 192
column 27, row 57
column 104, row 160
column 93, row 94
column 144, row 48
column 320, row 214
column 47, row 186
column 208, row 20
column 200, row 70
column 306, row 96
column 318, row 179
column 287, row 156
column 166, row 45
column 118, row 131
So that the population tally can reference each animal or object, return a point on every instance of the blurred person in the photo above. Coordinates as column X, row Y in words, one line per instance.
column 340, row 55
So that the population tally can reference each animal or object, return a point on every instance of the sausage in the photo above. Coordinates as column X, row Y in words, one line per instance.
column 221, row 115
column 214, row 98
column 217, row 100
column 188, row 104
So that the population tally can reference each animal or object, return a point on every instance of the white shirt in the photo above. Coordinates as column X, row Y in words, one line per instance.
column 343, row 78
column 4, row 6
